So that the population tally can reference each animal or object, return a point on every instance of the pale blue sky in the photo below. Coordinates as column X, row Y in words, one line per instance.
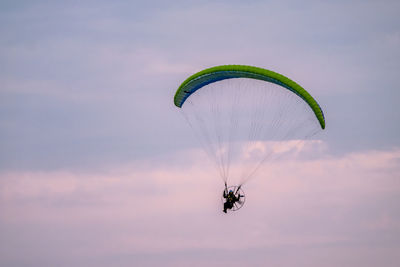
column 86, row 89
column 98, row 77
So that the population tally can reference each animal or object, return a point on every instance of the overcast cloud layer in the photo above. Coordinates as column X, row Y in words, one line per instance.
column 336, row 211
column 98, row 168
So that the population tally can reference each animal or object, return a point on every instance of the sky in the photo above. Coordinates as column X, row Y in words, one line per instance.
column 99, row 168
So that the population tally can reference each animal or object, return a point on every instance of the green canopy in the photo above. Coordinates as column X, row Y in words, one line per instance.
column 218, row 73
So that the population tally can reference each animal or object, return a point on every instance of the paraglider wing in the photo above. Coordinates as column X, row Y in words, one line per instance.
column 210, row 75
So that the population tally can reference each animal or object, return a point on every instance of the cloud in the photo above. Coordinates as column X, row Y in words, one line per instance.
column 145, row 209
column 90, row 168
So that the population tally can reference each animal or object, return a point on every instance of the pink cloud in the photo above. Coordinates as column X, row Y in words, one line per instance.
column 142, row 208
